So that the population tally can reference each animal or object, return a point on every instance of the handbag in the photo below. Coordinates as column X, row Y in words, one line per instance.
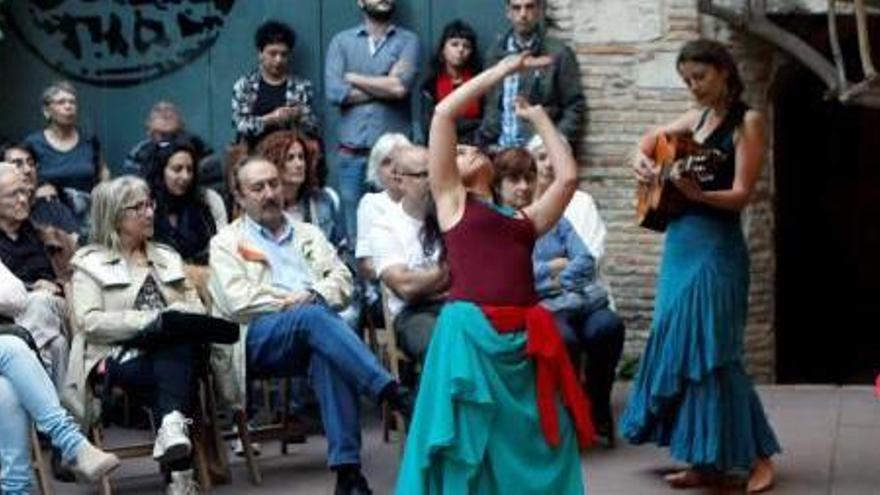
column 178, row 327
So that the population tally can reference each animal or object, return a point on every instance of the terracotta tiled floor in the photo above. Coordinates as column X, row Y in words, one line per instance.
column 831, row 438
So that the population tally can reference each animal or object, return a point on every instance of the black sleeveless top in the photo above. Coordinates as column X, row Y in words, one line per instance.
column 722, row 139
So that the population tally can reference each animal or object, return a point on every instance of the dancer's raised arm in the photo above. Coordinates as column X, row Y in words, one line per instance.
column 445, row 178
column 547, row 210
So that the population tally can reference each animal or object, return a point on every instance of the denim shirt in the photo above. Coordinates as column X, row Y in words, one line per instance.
column 562, row 241
column 349, row 51
column 289, row 269
column 512, row 132
column 321, row 209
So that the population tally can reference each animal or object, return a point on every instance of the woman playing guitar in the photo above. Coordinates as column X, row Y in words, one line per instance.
column 691, row 392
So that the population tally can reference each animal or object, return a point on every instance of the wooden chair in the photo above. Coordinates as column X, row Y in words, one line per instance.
column 383, row 341
column 202, row 434
column 42, row 470
column 288, row 429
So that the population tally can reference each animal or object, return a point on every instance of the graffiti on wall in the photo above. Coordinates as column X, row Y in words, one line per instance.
column 118, row 43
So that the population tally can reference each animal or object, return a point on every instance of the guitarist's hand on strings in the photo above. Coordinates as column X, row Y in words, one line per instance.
column 689, row 187
column 644, row 167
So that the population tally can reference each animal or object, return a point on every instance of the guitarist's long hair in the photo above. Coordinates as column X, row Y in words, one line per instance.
column 713, row 53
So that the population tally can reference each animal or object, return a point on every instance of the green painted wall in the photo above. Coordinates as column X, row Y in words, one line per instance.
column 30, row 58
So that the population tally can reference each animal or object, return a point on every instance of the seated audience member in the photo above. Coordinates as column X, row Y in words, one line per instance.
column 21, row 248
column 47, row 209
column 565, row 279
column 164, row 124
column 55, row 223
column 271, row 98
column 374, row 205
column 409, row 263
column 281, row 279
column 581, row 210
column 455, row 61
column 69, row 160
column 307, row 201
column 303, row 197
column 124, row 287
column 22, row 157
column 186, row 215
column 27, row 396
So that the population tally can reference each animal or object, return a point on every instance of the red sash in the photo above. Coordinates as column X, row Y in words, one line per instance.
column 554, row 371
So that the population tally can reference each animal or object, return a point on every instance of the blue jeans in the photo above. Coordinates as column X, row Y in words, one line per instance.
column 350, row 175
column 26, row 392
column 600, row 334
column 315, row 339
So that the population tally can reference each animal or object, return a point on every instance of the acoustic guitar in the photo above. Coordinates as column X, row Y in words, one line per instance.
column 659, row 201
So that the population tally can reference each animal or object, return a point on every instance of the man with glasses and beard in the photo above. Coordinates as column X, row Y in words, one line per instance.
column 370, row 72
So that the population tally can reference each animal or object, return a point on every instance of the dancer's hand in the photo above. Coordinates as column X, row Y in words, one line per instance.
column 523, row 61
column 529, row 112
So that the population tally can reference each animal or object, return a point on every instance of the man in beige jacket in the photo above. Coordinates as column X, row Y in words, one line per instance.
column 281, row 280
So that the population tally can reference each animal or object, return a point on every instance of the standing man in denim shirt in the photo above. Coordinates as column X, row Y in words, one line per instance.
column 370, row 72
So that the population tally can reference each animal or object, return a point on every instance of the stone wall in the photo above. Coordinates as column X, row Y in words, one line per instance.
column 626, row 50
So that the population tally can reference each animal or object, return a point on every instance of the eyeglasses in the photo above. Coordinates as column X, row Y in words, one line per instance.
column 416, row 175
column 140, row 208
column 21, row 162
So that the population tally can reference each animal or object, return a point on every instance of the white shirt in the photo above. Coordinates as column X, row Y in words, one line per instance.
column 584, row 217
column 396, row 242
column 13, row 294
column 372, row 207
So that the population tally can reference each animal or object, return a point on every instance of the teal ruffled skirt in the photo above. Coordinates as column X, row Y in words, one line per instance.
column 475, row 428
column 691, row 392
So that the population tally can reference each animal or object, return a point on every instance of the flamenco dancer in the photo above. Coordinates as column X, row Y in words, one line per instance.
column 489, row 416
column 691, row 392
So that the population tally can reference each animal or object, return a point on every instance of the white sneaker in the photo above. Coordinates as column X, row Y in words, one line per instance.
column 172, row 441
column 92, row 463
column 182, row 483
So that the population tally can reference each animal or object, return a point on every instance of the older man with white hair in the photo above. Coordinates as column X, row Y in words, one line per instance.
column 22, row 250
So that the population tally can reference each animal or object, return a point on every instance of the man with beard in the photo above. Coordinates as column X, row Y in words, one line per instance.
column 282, row 280
column 369, row 74
column 270, row 97
column 556, row 87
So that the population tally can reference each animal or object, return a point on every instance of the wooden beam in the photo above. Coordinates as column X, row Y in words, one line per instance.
column 836, row 52
column 864, row 41
column 760, row 26
column 863, row 93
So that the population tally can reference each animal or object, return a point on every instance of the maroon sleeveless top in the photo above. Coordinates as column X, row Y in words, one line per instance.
column 490, row 257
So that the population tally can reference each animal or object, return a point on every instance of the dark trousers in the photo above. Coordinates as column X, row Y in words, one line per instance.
column 600, row 334
column 415, row 325
column 164, row 378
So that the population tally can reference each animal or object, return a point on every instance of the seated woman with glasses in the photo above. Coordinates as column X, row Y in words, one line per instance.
column 124, row 285
column 186, row 215
column 52, row 218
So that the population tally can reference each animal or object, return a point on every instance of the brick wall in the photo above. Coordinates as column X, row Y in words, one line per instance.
column 626, row 50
